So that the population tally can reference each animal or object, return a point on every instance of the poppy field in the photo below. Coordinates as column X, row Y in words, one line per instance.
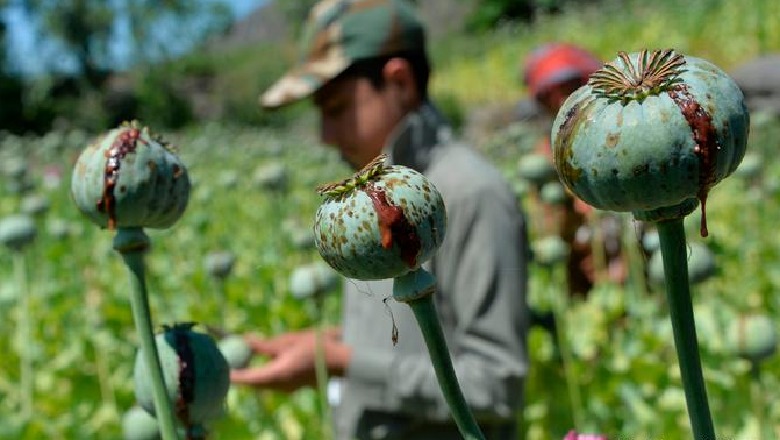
column 233, row 262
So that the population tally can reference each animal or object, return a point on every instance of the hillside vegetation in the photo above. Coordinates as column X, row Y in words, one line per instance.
column 484, row 69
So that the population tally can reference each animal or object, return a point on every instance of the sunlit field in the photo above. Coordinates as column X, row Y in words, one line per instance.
column 611, row 368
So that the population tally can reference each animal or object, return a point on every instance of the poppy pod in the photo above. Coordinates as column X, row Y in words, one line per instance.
column 383, row 222
column 651, row 133
column 128, row 178
column 197, row 375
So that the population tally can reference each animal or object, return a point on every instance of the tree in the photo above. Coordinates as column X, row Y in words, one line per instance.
column 151, row 29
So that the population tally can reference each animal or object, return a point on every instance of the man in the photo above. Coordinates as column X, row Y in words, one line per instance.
column 366, row 66
column 552, row 72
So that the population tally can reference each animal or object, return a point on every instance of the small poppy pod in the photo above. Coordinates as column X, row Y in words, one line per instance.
column 195, row 372
column 651, row 133
column 219, row 264
column 382, row 223
column 137, row 424
column 752, row 336
column 701, row 264
column 17, row 231
column 236, row 350
column 127, row 178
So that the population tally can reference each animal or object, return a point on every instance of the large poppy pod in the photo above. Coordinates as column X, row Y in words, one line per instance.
column 128, row 178
column 651, row 133
column 382, row 223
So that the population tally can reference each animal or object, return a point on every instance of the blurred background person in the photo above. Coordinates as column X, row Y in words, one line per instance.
column 551, row 73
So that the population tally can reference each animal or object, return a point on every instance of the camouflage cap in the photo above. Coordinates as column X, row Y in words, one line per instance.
column 339, row 32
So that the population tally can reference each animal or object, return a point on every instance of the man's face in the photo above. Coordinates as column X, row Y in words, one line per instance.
column 553, row 97
column 356, row 118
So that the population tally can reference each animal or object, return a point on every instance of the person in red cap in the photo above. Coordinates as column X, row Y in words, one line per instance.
column 552, row 72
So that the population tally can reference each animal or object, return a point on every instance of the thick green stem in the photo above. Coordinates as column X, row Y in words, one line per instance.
column 416, row 290
column 675, row 257
column 26, row 372
column 132, row 243
column 321, row 369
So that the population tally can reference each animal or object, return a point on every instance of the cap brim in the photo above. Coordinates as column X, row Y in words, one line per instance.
column 302, row 82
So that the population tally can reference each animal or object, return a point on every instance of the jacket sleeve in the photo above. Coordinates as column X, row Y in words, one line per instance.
column 481, row 272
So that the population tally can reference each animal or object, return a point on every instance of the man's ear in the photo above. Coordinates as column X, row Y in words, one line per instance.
column 398, row 72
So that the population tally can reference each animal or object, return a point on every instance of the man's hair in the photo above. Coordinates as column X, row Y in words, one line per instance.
column 371, row 69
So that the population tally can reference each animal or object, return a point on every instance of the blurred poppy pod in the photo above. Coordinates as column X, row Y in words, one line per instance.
column 382, row 223
column 128, row 178
column 219, row 264
column 17, row 231
column 137, row 424
column 701, row 264
column 753, row 337
column 237, row 352
column 196, row 374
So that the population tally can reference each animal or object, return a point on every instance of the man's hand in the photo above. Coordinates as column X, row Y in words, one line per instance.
column 291, row 363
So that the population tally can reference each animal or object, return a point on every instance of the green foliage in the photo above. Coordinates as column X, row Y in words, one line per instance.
column 488, row 13
column 159, row 102
column 452, row 109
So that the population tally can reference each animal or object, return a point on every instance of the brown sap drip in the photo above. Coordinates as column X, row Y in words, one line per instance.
column 394, row 227
column 186, row 376
column 706, row 139
column 124, row 144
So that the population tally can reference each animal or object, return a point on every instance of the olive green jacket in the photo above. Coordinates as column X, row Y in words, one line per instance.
column 391, row 392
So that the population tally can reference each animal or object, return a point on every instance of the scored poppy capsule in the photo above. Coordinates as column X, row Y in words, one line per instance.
column 196, row 373
column 128, row 178
column 383, row 222
column 650, row 133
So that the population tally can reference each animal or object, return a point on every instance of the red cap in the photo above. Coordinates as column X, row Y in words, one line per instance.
column 555, row 63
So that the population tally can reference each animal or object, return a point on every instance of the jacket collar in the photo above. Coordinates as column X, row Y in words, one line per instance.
column 413, row 140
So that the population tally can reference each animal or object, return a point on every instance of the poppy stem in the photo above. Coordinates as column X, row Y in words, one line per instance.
column 132, row 243
column 416, row 289
column 675, row 258
column 26, row 371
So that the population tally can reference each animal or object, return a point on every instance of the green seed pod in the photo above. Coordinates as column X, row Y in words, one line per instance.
column 536, row 168
column 520, row 187
column 651, row 133
column 312, row 279
column 17, row 231
column 35, row 205
column 701, row 264
column 236, row 351
column 58, row 228
column 15, row 168
column 753, row 337
column 220, row 264
column 228, row 179
column 550, row 250
column 651, row 241
column 272, row 176
column 137, row 424
column 382, row 223
column 553, row 193
column 128, row 178
column 196, row 375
